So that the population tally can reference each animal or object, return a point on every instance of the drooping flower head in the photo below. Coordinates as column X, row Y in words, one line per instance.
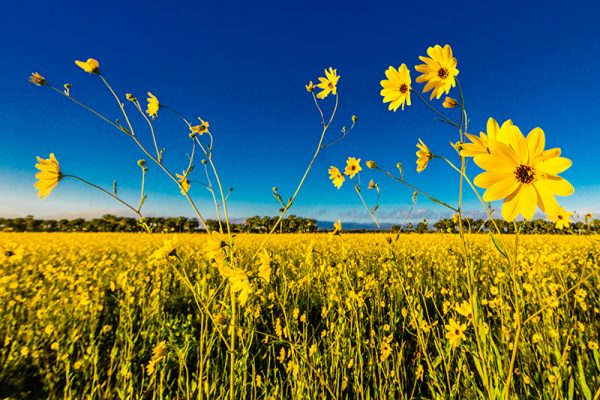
column 479, row 145
column 90, row 66
column 439, row 71
column 153, row 105
column 37, row 79
column 523, row 174
column 336, row 177
column 184, row 183
column 352, row 167
column 48, row 177
column 560, row 217
column 329, row 83
column 423, row 156
column 396, row 88
column 449, row 102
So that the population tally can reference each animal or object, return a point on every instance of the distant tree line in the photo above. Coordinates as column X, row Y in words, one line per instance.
column 472, row 225
column 290, row 224
column 112, row 223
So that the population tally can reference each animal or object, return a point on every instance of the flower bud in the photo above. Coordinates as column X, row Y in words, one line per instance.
column 449, row 102
column 142, row 163
column 371, row 164
column 354, row 119
column 130, row 97
column 310, row 87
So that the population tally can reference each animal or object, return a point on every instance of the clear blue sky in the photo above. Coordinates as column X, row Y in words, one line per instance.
column 243, row 66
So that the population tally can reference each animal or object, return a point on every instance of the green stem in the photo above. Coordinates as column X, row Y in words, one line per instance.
column 439, row 114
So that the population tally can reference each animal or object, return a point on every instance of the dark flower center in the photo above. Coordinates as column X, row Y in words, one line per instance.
column 443, row 73
column 560, row 217
column 525, row 174
column 8, row 253
column 403, row 88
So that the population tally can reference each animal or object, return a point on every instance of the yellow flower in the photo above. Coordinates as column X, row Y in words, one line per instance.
column 183, row 182
column 264, row 268
column 153, row 105
column 329, row 83
column 371, row 164
column 396, row 88
column 352, row 167
column 523, row 174
column 168, row 249
column 310, row 87
column 90, row 66
column 464, row 308
column 423, row 156
column 372, row 184
column 37, row 79
column 587, row 217
column 336, row 177
column 337, row 227
column 479, row 145
column 200, row 129
column 48, row 177
column 455, row 332
column 439, row 71
column 449, row 102
column 560, row 217
column 455, row 218
column 214, row 247
column 10, row 253
column 159, row 353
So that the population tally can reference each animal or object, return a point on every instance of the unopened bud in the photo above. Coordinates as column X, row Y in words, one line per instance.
column 354, row 119
column 449, row 102
column 310, row 87
column 371, row 164
column 130, row 97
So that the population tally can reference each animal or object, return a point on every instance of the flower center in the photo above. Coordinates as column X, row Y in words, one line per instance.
column 443, row 73
column 8, row 253
column 560, row 217
column 403, row 88
column 524, row 174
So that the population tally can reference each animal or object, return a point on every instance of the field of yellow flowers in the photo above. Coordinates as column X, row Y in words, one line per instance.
column 353, row 316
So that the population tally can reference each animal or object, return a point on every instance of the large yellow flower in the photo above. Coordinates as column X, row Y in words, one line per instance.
column 48, row 177
column 352, row 167
column 560, row 217
column 423, row 156
column 153, row 105
column 90, row 66
column 336, row 177
column 479, row 145
column 439, row 70
column 523, row 174
column 329, row 83
column 396, row 88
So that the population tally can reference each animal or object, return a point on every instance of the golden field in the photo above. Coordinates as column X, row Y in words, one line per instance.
column 99, row 316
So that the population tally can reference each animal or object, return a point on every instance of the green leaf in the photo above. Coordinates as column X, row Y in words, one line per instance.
column 498, row 245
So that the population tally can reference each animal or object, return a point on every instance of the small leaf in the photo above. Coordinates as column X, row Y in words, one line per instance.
column 498, row 245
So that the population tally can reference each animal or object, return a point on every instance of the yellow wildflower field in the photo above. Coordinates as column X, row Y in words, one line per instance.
column 110, row 315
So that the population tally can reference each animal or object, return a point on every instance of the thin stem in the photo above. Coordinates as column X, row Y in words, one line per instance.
column 310, row 164
column 402, row 181
column 121, row 105
column 79, row 103
column 142, row 188
column 371, row 212
column 139, row 108
column 439, row 114
column 106, row 192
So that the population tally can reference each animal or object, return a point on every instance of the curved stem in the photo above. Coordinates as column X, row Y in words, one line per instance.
column 79, row 103
column 106, row 192
column 439, row 114
column 310, row 164
column 402, row 181
column 357, row 189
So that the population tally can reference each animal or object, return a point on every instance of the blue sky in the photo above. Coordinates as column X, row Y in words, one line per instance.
column 243, row 66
